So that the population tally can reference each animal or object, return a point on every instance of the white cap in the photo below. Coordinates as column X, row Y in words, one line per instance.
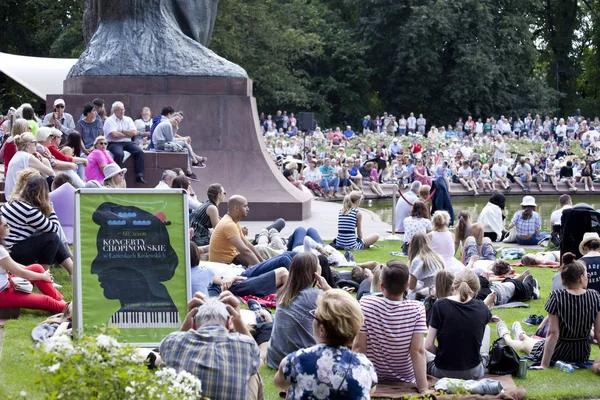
column 59, row 101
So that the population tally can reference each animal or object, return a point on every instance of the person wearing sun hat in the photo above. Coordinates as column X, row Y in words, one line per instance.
column 114, row 176
column 528, row 223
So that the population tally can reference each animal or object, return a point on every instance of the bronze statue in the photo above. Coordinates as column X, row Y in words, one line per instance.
column 151, row 37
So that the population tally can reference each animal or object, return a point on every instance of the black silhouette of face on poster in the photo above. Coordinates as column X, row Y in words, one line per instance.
column 134, row 257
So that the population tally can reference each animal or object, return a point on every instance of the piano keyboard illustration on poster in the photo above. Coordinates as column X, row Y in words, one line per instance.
column 146, row 319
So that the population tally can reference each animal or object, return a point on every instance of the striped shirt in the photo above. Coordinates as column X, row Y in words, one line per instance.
column 24, row 220
column 223, row 361
column 576, row 314
column 346, row 237
column 390, row 326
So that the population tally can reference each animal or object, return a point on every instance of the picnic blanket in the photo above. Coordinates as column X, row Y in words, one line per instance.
column 513, row 304
column 399, row 390
column 518, row 264
column 269, row 301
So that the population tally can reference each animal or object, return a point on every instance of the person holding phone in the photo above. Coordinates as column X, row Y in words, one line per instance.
column 59, row 119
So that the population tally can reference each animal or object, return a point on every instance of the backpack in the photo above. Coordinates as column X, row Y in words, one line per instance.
column 503, row 360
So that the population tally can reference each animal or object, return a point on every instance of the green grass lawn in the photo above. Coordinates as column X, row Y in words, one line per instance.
column 18, row 373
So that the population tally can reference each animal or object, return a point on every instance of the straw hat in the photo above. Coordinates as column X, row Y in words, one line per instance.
column 586, row 238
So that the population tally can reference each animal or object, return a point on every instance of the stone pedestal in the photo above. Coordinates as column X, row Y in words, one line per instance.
column 221, row 118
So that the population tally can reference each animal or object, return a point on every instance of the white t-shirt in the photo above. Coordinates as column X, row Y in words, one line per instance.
column 113, row 124
column 556, row 216
column 3, row 273
column 426, row 276
column 498, row 171
column 500, row 150
column 464, row 172
column 18, row 163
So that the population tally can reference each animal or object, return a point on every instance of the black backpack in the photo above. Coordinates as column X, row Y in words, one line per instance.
column 503, row 360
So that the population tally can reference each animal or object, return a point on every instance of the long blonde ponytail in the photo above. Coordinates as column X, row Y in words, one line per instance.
column 466, row 284
column 350, row 200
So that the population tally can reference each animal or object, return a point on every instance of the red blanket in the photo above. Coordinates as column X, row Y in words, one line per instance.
column 270, row 301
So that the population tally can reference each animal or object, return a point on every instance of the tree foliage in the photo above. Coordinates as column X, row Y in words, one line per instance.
column 343, row 59
column 454, row 58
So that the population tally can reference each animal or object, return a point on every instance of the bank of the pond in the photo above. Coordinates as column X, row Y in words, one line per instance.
column 546, row 205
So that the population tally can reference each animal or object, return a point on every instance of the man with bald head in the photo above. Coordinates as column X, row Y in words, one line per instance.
column 228, row 245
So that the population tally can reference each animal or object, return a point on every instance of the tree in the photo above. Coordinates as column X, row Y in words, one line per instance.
column 453, row 58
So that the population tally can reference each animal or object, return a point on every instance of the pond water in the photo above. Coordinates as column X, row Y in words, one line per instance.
column 545, row 206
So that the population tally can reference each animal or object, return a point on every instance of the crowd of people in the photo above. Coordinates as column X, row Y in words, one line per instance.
column 90, row 150
column 474, row 153
column 322, row 342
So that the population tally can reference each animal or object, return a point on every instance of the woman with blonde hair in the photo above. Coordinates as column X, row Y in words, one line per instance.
column 292, row 329
column 330, row 365
column 463, row 316
column 114, row 176
column 424, row 263
column 20, row 126
column 442, row 240
column 350, row 235
column 24, row 158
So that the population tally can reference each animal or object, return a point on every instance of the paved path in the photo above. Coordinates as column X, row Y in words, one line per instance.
column 324, row 220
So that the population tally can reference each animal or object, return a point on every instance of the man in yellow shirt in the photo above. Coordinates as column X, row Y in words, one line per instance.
column 228, row 245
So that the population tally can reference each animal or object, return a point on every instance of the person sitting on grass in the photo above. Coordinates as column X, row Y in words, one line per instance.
column 226, row 362
column 50, row 300
column 571, row 314
column 463, row 316
column 292, row 329
column 329, row 366
column 350, row 236
column 466, row 228
column 442, row 240
column 417, row 221
column 396, row 325
column 528, row 223
column 424, row 264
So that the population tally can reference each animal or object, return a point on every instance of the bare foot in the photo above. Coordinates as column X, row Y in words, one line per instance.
column 490, row 300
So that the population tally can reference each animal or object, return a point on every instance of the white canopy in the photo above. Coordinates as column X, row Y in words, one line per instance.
column 42, row 76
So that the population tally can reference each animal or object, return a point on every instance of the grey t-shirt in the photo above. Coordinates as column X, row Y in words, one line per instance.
column 163, row 132
column 292, row 327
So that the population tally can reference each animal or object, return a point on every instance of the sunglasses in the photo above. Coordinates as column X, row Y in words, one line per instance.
column 60, row 106
column 313, row 313
column 103, row 143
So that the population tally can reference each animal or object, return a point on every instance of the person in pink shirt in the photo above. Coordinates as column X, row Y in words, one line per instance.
column 97, row 160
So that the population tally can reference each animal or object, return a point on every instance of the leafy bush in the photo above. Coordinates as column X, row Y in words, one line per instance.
column 101, row 368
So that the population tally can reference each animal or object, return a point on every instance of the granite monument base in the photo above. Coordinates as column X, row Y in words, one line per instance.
column 221, row 117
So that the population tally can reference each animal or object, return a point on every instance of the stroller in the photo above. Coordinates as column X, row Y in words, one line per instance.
column 575, row 222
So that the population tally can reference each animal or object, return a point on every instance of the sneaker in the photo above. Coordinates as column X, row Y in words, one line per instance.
column 192, row 177
column 57, row 286
column 517, row 330
column 587, row 189
column 502, row 329
column 255, row 306
column 199, row 165
column 531, row 320
column 593, row 189
column 536, row 289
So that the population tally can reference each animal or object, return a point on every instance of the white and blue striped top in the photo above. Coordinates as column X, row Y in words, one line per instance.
column 346, row 237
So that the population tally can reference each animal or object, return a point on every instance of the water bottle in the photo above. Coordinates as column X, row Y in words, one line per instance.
column 370, row 203
column 563, row 366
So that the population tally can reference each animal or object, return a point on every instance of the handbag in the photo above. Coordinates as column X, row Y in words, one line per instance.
column 21, row 284
column 503, row 360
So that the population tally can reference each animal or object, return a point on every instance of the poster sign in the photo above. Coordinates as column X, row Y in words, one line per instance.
column 132, row 262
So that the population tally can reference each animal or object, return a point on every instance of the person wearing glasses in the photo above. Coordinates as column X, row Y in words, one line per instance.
column 59, row 119
column 97, row 159
column 114, row 176
column 25, row 157
column 330, row 366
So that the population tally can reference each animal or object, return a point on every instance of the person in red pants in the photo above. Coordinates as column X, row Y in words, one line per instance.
column 50, row 299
